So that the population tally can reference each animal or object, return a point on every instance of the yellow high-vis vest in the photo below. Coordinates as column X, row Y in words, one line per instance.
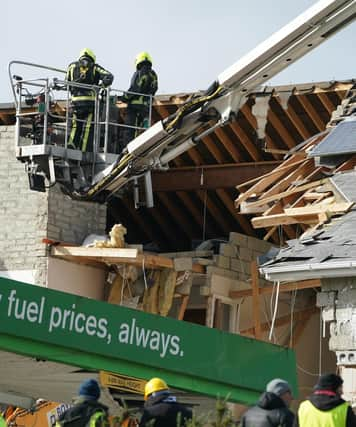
column 310, row 416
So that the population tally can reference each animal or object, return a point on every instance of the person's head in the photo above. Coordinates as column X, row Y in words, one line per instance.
column 87, row 53
column 143, row 58
column 281, row 389
column 89, row 390
column 331, row 382
column 153, row 386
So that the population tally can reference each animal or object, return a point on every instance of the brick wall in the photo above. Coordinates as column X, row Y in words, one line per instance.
column 26, row 216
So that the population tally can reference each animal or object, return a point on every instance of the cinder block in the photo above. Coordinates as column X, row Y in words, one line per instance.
column 210, row 270
column 222, row 261
column 240, row 266
column 228, row 250
column 183, row 264
column 324, row 299
column 220, row 285
column 238, row 239
column 245, row 254
column 258, row 245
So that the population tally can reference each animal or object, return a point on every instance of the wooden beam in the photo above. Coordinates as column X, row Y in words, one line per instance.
column 212, row 147
column 255, row 300
column 318, row 208
column 284, row 219
column 249, row 145
column 280, row 129
column 228, row 144
column 297, row 122
column 312, row 113
column 117, row 256
column 299, row 316
column 286, row 193
column 209, row 176
column 183, row 307
column 284, row 287
column 265, row 181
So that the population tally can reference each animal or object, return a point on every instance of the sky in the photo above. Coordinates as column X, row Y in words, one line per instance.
column 191, row 41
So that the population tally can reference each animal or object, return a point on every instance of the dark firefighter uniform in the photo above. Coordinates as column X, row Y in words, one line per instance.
column 84, row 71
column 143, row 82
column 325, row 407
column 87, row 411
column 161, row 408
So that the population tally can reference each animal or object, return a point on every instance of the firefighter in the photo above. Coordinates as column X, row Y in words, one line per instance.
column 161, row 408
column 85, row 71
column 86, row 411
column 325, row 407
column 144, row 82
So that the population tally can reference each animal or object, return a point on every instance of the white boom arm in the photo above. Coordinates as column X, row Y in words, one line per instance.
column 170, row 137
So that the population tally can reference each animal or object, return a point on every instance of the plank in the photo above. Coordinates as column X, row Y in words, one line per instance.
column 284, row 287
column 284, row 219
column 286, row 193
column 116, row 256
column 94, row 252
column 183, row 307
column 316, row 209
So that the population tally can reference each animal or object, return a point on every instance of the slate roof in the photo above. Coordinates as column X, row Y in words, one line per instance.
column 335, row 242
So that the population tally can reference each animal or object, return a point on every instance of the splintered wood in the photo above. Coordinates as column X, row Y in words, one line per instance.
column 294, row 197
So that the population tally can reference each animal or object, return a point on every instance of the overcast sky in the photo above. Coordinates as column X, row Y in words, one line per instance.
column 191, row 41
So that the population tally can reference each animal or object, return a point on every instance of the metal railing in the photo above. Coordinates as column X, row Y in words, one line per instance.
column 45, row 96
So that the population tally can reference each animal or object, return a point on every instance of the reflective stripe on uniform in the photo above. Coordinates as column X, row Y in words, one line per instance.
column 95, row 418
column 86, row 132
column 83, row 98
column 310, row 416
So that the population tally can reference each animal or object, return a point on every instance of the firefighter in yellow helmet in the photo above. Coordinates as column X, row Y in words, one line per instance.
column 84, row 71
column 161, row 408
column 144, row 84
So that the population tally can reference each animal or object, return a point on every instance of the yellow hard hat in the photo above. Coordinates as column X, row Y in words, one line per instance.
column 141, row 57
column 88, row 52
column 153, row 385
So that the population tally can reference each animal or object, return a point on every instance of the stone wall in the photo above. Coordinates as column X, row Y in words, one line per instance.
column 27, row 216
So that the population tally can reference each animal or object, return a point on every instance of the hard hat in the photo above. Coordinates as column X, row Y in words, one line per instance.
column 88, row 52
column 153, row 385
column 141, row 57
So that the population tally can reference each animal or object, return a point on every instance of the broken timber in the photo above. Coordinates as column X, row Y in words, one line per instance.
column 116, row 256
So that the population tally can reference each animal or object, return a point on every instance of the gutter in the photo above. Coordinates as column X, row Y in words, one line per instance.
column 310, row 271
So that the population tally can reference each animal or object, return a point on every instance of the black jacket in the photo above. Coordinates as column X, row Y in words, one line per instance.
column 270, row 411
column 80, row 414
column 326, row 402
column 164, row 410
column 144, row 81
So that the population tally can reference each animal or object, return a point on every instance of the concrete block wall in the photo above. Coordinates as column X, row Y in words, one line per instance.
column 236, row 255
column 26, row 217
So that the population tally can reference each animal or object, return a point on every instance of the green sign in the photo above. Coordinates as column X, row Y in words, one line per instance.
column 92, row 334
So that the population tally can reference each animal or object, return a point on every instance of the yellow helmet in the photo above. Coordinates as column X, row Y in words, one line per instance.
column 153, row 385
column 141, row 57
column 88, row 52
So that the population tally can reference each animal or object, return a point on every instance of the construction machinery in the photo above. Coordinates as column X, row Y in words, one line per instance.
column 42, row 132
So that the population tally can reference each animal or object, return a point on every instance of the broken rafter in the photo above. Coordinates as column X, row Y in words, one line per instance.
column 293, row 190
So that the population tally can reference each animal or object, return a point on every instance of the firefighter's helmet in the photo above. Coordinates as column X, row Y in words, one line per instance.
column 89, row 53
column 153, row 385
column 143, row 57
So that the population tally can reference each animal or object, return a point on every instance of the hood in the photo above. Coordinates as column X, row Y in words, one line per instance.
column 325, row 400
column 270, row 401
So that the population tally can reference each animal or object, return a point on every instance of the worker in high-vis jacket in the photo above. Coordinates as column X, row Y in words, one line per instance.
column 144, row 84
column 86, row 411
column 325, row 407
column 84, row 71
column 161, row 408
